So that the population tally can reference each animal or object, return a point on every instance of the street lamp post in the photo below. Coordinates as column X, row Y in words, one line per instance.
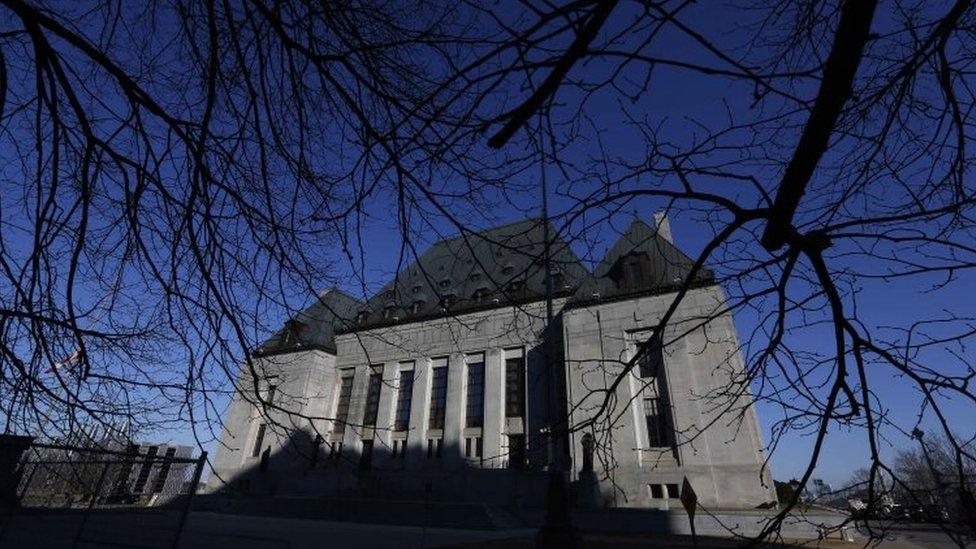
column 557, row 530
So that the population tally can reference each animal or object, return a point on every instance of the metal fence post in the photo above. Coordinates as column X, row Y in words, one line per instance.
column 91, row 503
column 201, row 461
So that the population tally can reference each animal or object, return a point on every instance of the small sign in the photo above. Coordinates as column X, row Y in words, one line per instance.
column 689, row 498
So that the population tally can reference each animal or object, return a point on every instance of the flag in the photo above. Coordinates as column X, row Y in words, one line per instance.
column 70, row 360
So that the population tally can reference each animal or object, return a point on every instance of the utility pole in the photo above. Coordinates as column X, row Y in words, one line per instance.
column 557, row 531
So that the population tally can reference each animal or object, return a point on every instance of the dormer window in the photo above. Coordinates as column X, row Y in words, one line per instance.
column 558, row 280
column 389, row 312
column 445, row 283
column 417, row 289
column 508, row 269
column 631, row 271
column 362, row 317
column 293, row 332
column 474, row 277
column 447, row 302
column 481, row 295
column 417, row 306
column 516, row 287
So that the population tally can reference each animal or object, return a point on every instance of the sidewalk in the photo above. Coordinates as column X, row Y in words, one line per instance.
column 607, row 541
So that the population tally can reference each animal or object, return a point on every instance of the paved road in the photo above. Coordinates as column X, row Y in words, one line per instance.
column 208, row 530
column 914, row 536
column 151, row 530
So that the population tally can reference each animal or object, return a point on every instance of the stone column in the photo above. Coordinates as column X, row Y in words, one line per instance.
column 494, row 407
column 453, row 445
column 384, row 418
column 417, row 437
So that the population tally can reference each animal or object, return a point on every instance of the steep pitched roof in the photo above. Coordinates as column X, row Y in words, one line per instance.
column 502, row 265
column 314, row 327
column 492, row 268
column 669, row 266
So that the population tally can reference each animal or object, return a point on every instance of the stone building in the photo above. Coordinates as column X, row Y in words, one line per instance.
column 449, row 383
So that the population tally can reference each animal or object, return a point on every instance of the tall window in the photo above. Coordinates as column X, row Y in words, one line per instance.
column 259, row 440
column 658, row 432
column 649, row 364
column 514, row 383
column 373, row 396
column 650, row 368
column 475, row 408
column 342, row 407
column 438, row 396
column 404, row 400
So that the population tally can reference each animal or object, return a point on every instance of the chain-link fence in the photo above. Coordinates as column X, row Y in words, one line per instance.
column 68, row 496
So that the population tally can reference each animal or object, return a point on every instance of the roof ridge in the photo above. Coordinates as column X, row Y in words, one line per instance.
column 485, row 230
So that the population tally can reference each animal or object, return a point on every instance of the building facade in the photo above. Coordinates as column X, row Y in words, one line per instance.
column 453, row 383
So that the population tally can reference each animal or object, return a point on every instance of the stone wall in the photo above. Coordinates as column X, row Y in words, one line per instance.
column 718, row 444
column 304, row 383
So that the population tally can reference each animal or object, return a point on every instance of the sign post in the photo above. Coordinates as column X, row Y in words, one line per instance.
column 690, row 501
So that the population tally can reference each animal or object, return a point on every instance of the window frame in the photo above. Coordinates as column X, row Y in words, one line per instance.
column 515, row 407
column 374, row 389
column 437, row 406
column 259, row 435
column 470, row 397
column 344, row 394
column 404, row 398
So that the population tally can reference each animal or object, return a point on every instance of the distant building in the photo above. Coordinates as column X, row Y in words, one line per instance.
column 152, row 472
column 441, row 386
column 106, row 467
column 818, row 490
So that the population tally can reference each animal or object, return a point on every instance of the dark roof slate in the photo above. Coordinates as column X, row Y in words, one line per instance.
column 490, row 261
column 669, row 265
column 484, row 270
column 315, row 326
